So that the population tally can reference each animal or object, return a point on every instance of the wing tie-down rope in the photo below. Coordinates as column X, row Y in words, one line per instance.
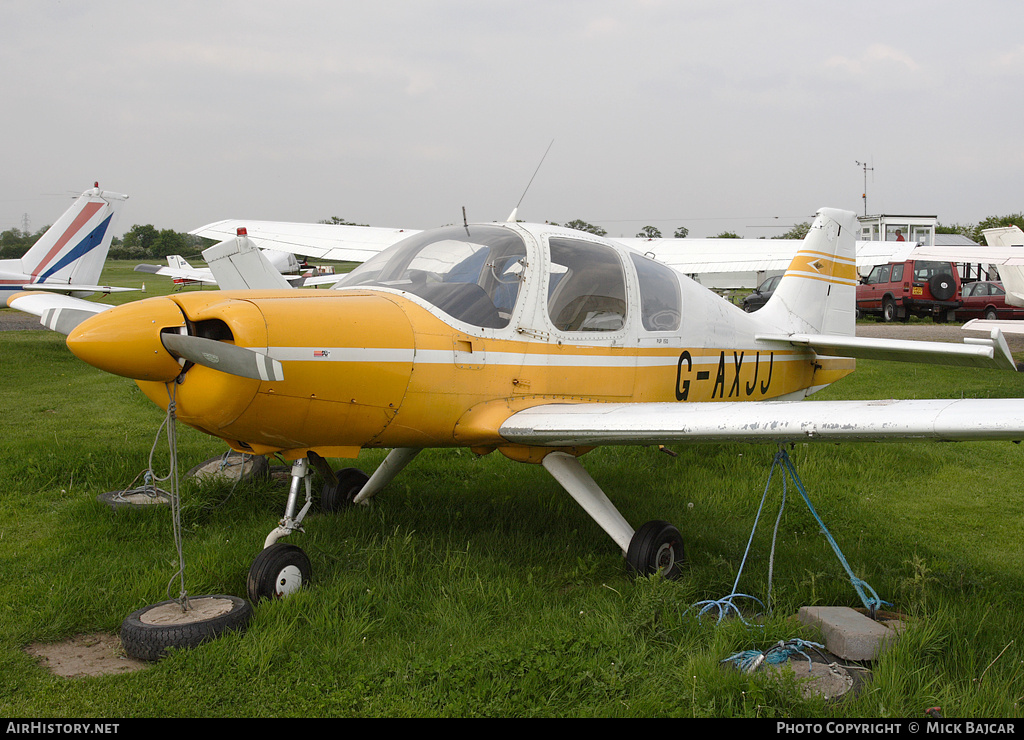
column 726, row 604
column 749, row 661
column 172, row 476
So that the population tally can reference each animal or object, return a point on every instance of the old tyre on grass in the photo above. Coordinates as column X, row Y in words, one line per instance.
column 656, row 548
column 278, row 571
column 147, row 634
column 232, row 468
column 338, row 496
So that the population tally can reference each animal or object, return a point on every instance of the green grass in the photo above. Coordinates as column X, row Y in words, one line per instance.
column 477, row 587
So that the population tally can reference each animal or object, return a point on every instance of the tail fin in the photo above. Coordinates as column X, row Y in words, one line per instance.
column 818, row 293
column 179, row 262
column 74, row 249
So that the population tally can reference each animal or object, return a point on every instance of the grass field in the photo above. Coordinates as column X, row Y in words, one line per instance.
column 477, row 587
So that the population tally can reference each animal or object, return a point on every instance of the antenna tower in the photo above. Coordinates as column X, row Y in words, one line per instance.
column 867, row 169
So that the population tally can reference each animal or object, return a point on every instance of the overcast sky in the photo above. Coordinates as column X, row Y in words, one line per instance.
column 710, row 114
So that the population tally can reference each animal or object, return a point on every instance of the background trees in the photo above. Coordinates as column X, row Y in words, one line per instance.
column 145, row 241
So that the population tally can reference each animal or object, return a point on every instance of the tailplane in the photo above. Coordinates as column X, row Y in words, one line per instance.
column 814, row 307
column 818, row 292
column 73, row 250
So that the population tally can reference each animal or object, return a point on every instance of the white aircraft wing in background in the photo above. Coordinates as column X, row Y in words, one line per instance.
column 696, row 256
column 321, row 241
column 1004, row 248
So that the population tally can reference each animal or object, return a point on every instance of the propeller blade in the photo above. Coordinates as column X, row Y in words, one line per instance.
column 228, row 358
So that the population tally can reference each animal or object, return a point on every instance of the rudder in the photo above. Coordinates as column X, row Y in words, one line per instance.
column 818, row 292
column 75, row 248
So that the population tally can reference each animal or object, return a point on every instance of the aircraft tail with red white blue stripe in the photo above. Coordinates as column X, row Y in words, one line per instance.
column 69, row 257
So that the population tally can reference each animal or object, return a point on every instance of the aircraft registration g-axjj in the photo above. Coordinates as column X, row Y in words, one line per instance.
column 533, row 340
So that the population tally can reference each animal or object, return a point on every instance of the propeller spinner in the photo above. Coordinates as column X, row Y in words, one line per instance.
column 144, row 340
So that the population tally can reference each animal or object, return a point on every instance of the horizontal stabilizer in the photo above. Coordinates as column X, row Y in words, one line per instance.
column 990, row 353
column 591, row 424
column 237, row 264
column 1009, row 326
column 75, row 288
column 59, row 313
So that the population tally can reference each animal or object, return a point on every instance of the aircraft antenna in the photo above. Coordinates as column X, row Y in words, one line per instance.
column 865, row 194
column 512, row 216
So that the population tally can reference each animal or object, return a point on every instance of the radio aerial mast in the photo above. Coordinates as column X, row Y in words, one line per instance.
column 865, row 194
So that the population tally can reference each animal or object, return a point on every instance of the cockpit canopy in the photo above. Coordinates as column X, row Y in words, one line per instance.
column 473, row 274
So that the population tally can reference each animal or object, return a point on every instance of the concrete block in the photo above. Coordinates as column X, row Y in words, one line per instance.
column 847, row 633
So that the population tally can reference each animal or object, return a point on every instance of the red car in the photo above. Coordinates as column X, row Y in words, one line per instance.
column 986, row 300
column 899, row 290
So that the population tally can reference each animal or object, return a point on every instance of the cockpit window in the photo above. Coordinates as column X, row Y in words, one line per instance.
column 586, row 286
column 659, row 294
column 473, row 277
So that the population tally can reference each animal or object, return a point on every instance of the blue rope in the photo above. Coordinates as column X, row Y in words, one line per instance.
column 872, row 603
column 726, row 604
column 750, row 660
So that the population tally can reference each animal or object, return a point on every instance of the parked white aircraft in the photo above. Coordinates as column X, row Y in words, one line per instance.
column 69, row 257
column 284, row 263
column 689, row 256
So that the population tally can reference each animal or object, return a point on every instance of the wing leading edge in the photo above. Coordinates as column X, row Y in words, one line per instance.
column 593, row 424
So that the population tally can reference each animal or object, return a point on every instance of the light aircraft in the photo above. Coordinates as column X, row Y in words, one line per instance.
column 183, row 273
column 536, row 341
column 69, row 256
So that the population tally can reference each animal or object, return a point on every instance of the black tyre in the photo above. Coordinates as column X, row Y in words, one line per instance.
column 657, row 547
column 147, row 634
column 942, row 287
column 991, row 314
column 278, row 571
column 338, row 496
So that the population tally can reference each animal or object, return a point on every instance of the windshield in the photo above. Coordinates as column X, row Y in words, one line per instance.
column 472, row 274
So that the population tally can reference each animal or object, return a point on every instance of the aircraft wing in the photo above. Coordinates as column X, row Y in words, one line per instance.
column 985, row 255
column 75, row 288
column 59, row 313
column 991, row 353
column 695, row 256
column 593, row 424
column 320, row 241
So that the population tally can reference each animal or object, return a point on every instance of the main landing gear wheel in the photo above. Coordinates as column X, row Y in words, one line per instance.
column 147, row 633
column 657, row 547
column 278, row 571
column 335, row 497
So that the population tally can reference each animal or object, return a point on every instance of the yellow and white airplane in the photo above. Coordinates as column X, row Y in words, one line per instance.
column 536, row 341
